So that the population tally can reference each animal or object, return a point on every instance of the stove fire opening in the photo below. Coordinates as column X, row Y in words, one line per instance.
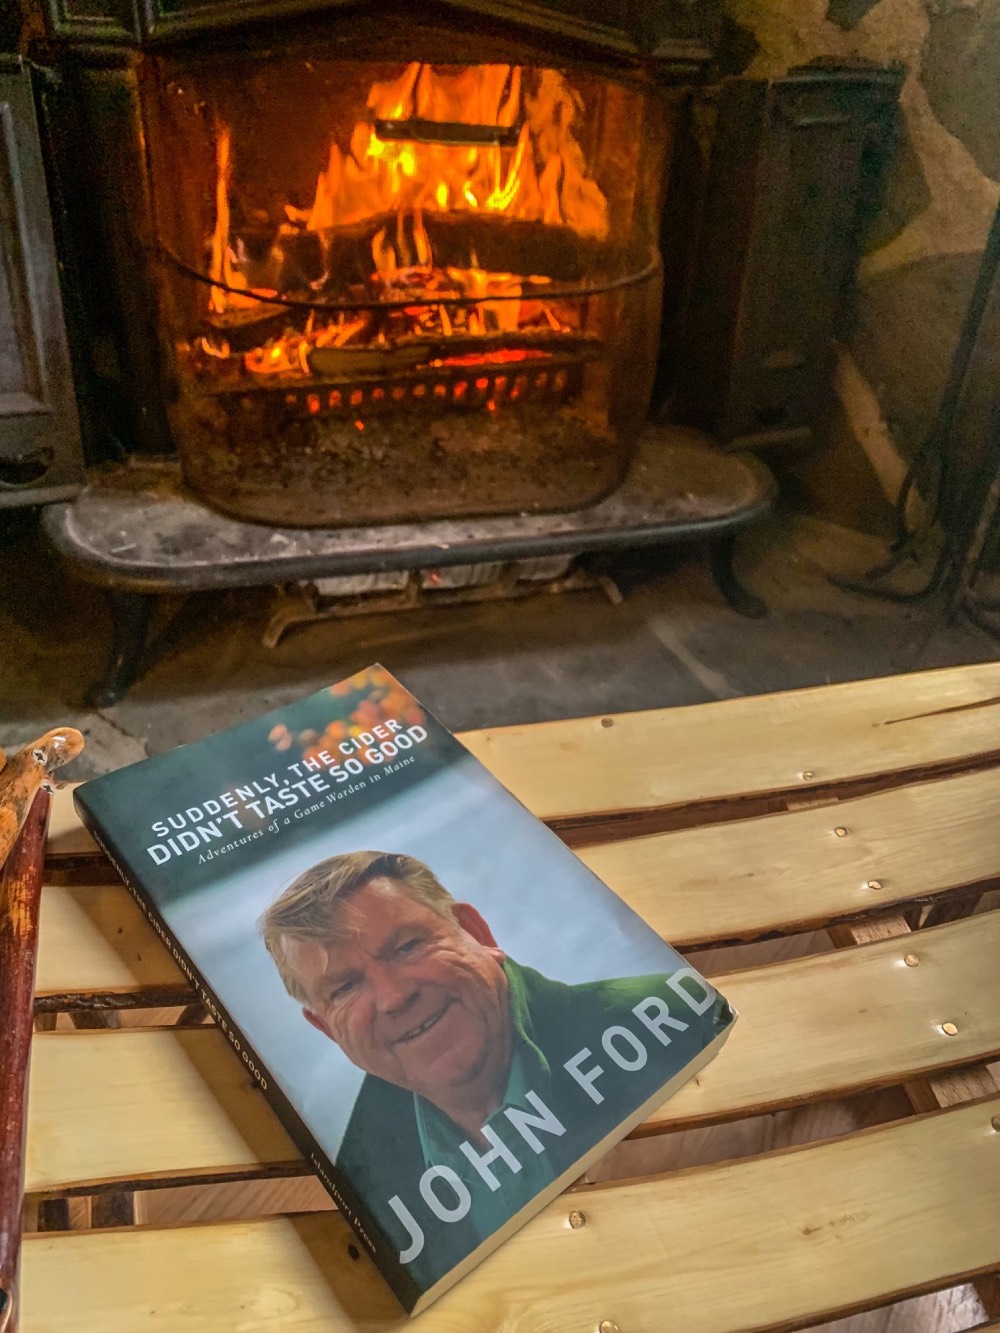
column 404, row 293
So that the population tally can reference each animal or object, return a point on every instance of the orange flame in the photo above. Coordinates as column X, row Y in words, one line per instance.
column 222, row 268
column 541, row 176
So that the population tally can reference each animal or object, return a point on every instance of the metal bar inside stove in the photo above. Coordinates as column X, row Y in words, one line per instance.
column 557, row 380
column 419, row 130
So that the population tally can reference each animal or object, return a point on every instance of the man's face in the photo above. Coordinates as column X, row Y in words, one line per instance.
column 416, row 998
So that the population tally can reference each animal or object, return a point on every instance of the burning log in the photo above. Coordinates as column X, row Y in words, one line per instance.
column 240, row 330
column 346, row 362
column 491, row 242
column 500, row 244
column 391, row 362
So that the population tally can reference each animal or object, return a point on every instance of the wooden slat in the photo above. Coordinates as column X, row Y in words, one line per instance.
column 832, row 1024
column 754, row 746
column 938, row 1090
column 67, row 836
column 931, row 1091
column 791, row 871
column 761, row 1244
column 95, row 938
column 719, row 752
column 745, row 880
column 169, row 1104
column 132, row 1105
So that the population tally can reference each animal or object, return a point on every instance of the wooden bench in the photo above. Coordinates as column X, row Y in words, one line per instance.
column 866, row 811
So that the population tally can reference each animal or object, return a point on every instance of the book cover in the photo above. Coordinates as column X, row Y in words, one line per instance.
column 450, row 1013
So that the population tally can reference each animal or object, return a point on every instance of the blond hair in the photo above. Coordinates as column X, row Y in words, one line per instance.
column 306, row 910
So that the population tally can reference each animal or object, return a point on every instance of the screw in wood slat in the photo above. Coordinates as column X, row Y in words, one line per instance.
column 949, row 1029
column 577, row 1219
column 874, row 883
column 607, row 722
column 608, row 1326
column 807, row 775
column 840, row 831
column 911, row 960
column 995, row 1122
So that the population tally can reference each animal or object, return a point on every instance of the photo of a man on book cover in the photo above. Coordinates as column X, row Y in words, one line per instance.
column 473, row 1063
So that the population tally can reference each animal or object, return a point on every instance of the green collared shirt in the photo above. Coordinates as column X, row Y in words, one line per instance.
column 393, row 1136
column 440, row 1137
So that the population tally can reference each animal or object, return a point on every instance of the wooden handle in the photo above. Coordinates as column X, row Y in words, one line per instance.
column 20, row 893
column 22, row 776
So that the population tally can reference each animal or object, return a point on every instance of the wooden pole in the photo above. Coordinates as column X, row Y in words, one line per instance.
column 20, row 893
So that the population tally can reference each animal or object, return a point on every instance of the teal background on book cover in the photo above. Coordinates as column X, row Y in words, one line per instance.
column 132, row 800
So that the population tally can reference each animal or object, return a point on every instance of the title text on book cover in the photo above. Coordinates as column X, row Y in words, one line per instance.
column 248, row 809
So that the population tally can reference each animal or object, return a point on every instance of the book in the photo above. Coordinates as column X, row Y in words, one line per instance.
column 452, row 1016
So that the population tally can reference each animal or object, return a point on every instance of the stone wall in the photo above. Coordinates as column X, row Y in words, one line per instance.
column 924, row 250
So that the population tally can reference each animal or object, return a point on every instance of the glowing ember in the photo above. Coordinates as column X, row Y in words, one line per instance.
column 534, row 172
column 500, row 356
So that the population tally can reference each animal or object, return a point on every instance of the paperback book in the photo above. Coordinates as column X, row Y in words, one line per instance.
column 451, row 1014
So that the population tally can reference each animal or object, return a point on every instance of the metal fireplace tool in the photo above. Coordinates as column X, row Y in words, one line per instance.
column 955, row 527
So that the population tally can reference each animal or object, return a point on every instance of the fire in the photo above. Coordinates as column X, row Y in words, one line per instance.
column 222, row 267
column 483, row 139
column 542, row 178
column 289, row 355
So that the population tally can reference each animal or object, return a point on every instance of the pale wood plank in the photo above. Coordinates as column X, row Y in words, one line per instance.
column 744, row 880
column 939, row 1089
column 763, row 1244
column 714, row 752
column 948, row 1311
column 134, row 1105
column 752, row 746
column 791, row 871
column 934, row 1091
column 66, row 835
column 95, row 938
column 832, row 1024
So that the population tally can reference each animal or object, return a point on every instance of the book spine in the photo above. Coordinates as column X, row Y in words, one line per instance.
column 337, row 1185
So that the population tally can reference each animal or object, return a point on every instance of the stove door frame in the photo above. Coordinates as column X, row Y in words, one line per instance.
column 671, row 33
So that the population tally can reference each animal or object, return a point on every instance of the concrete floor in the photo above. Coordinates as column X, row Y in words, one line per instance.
column 671, row 641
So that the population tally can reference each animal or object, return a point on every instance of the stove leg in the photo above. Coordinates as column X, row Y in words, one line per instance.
column 746, row 603
column 130, row 616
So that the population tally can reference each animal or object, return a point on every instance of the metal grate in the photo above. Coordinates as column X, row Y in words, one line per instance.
column 558, row 380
